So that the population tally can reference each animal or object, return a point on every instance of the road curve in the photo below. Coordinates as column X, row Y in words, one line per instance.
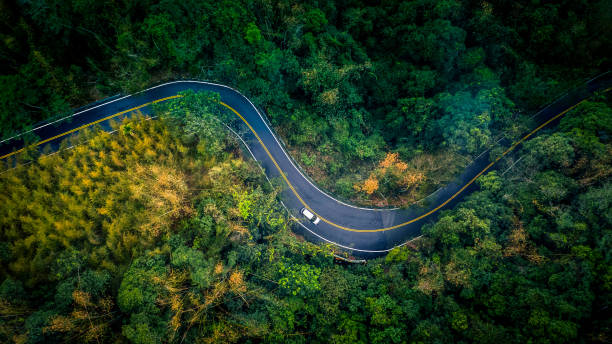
column 363, row 232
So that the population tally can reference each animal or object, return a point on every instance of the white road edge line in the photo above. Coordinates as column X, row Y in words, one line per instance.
column 281, row 146
column 63, row 118
column 273, row 135
column 300, row 222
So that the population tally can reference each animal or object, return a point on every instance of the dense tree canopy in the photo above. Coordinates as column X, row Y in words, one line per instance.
column 164, row 232
column 343, row 82
column 146, row 236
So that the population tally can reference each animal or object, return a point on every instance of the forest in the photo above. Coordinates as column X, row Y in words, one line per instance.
column 166, row 231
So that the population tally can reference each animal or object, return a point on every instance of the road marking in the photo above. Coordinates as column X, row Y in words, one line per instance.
column 300, row 222
column 511, row 148
column 87, row 125
column 287, row 180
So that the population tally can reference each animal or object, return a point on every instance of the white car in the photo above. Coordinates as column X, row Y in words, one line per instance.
column 310, row 216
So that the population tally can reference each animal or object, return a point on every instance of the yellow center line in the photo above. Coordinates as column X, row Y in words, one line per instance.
column 291, row 186
column 270, row 155
column 419, row 217
column 87, row 125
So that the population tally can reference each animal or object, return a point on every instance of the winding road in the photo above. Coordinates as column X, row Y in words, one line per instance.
column 362, row 232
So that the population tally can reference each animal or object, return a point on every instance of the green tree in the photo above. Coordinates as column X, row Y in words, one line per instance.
column 298, row 279
column 459, row 228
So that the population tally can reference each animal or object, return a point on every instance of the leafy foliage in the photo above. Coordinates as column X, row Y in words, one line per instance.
column 342, row 82
column 163, row 233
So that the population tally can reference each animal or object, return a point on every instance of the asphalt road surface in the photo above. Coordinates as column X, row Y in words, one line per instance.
column 362, row 232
